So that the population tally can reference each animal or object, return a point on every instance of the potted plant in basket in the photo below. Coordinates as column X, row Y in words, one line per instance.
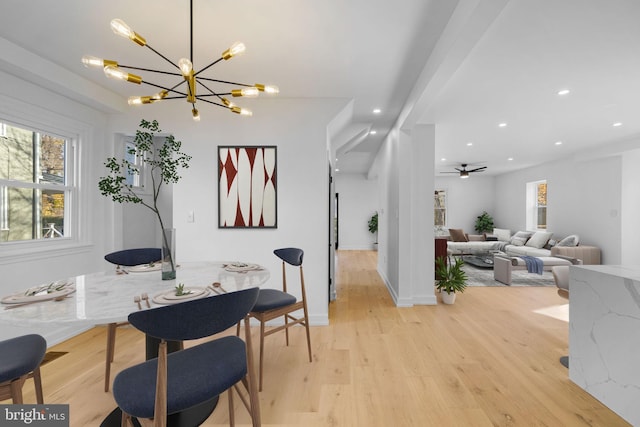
column 164, row 163
column 450, row 279
column 484, row 223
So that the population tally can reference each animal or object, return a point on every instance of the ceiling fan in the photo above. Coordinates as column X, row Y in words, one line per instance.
column 464, row 172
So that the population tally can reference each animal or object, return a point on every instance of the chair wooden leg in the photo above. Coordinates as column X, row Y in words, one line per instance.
column 16, row 391
column 232, row 419
column 261, row 351
column 286, row 328
column 111, row 346
column 37, row 383
column 254, row 399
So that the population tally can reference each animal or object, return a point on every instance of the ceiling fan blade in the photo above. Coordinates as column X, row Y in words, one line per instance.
column 480, row 169
column 459, row 170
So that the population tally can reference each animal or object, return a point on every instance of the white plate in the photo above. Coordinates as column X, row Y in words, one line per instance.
column 41, row 293
column 170, row 297
column 144, row 267
column 241, row 266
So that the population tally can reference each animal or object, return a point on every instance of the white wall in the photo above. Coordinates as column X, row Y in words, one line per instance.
column 20, row 271
column 467, row 198
column 583, row 197
column 358, row 201
column 298, row 129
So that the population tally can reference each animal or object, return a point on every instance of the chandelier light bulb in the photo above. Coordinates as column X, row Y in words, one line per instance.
column 119, row 27
column 185, row 66
column 134, row 100
column 92, row 61
column 270, row 90
column 196, row 114
column 238, row 48
column 245, row 112
column 117, row 74
column 160, row 95
column 247, row 92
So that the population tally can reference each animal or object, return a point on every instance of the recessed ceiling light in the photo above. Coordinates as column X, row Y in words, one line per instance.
column 510, row 158
column 373, row 132
column 502, row 125
column 377, row 111
column 558, row 142
column 616, row 124
column 337, row 170
column 469, row 144
column 564, row 92
column 443, row 159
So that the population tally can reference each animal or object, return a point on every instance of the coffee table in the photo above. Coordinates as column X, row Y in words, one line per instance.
column 481, row 260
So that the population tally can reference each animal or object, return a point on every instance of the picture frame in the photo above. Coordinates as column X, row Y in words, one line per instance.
column 247, row 186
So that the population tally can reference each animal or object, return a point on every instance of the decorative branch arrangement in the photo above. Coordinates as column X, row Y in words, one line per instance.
column 163, row 163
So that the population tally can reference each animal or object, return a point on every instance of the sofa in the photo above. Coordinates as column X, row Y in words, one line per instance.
column 522, row 243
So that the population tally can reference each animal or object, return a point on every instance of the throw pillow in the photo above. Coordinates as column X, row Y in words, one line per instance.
column 476, row 237
column 518, row 241
column 520, row 236
column 502, row 234
column 572, row 240
column 457, row 235
column 539, row 239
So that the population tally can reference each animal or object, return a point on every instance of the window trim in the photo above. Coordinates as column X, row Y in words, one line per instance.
column 532, row 205
column 79, row 234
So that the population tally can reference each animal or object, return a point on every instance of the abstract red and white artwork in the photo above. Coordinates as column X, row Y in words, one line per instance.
column 247, row 183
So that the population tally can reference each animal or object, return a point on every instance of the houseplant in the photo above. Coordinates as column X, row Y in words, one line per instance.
column 163, row 164
column 373, row 227
column 484, row 223
column 450, row 279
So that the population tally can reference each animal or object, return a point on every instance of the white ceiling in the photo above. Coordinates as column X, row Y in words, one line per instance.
column 464, row 65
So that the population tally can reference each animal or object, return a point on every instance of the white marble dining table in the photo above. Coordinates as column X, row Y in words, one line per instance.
column 108, row 296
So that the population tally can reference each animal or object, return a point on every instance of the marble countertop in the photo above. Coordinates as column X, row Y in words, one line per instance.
column 108, row 297
column 625, row 271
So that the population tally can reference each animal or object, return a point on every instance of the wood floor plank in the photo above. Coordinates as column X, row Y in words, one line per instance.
column 491, row 359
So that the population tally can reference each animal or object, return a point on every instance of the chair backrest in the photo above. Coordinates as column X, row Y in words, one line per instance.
column 291, row 256
column 197, row 318
column 131, row 257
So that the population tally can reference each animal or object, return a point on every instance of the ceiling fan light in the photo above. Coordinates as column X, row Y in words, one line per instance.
column 464, row 174
column 238, row 48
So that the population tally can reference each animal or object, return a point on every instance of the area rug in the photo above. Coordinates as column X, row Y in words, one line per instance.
column 484, row 277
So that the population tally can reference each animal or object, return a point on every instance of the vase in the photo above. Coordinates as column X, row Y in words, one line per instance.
column 168, row 254
column 448, row 298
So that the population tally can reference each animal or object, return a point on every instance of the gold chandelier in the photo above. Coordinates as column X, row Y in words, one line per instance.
column 193, row 79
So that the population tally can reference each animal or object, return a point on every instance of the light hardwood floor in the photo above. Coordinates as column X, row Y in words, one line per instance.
column 489, row 360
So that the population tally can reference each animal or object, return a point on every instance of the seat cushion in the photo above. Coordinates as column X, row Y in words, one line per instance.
column 194, row 375
column 268, row 299
column 21, row 355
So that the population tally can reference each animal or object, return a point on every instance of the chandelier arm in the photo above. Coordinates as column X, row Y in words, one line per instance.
column 162, row 56
column 211, row 102
column 207, row 88
column 165, row 88
column 210, row 65
column 149, row 70
column 225, row 82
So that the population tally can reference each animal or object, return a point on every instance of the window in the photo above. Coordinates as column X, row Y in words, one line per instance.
column 35, row 186
column 537, row 205
column 136, row 164
column 440, row 211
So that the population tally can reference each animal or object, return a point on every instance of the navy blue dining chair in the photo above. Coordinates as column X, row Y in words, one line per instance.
column 177, row 381
column 20, row 359
column 275, row 303
column 126, row 258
